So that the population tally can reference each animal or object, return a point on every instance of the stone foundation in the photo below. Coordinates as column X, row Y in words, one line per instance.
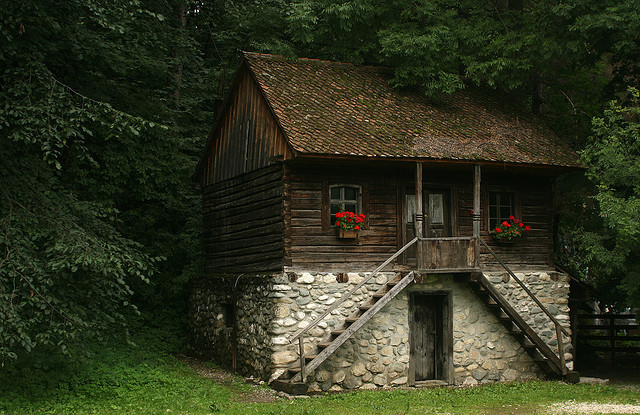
column 271, row 308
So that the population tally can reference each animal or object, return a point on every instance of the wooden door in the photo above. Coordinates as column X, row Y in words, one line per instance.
column 430, row 337
column 436, row 206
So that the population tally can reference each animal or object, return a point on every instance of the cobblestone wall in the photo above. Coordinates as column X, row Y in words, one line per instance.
column 272, row 308
column 211, row 317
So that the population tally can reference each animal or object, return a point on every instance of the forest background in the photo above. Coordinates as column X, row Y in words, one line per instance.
column 105, row 106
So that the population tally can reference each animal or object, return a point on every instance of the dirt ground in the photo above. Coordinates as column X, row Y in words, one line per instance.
column 256, row 394
column 625, row 370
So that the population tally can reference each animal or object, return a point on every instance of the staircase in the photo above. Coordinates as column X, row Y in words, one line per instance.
column 551, row 363
column 292, row 380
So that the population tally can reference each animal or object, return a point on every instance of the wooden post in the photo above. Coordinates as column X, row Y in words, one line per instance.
column 301, row 345
column 563, row 364
column 612, row 339
column 476, row 212
column 419, row 219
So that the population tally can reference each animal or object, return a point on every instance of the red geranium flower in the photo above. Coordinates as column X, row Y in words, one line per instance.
column 349, row 221
column 509, row 230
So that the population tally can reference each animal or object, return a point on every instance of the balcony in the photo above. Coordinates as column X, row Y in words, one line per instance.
column 447, row 254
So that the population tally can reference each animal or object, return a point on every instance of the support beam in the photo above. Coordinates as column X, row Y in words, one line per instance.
column 477, row 217
column 419, row 219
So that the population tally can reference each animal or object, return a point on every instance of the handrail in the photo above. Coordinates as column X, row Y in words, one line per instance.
column 559, row 328
column 354, row 289
column 450, row 238
column 524, row 287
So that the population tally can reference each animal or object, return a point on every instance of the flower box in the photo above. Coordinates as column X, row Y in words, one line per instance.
column 505, row 241
column 343, row 234
column 509, row 232
column 348, row 224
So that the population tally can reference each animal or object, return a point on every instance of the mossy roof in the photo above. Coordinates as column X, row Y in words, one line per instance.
column 333, row 108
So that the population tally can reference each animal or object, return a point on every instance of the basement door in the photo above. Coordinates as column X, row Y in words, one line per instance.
column 431, row 335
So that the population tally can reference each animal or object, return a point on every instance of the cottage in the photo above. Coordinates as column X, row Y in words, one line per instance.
column 423, row 292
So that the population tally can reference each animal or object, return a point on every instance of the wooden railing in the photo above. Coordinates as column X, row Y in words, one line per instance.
column 299, row 335
column 448, row 253
column 559, row 328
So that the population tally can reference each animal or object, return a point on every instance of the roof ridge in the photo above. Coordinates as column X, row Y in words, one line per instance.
column 313, row 60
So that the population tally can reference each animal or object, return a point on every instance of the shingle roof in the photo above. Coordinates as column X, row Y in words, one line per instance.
column 343, row 109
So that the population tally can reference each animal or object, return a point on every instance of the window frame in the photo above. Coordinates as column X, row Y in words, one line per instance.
column 362, row 201
column 516, row 208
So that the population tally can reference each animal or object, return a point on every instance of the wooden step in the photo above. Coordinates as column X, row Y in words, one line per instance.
column 506, row 320
column 323, row 345
column 516, row 331
column 494, row 306
column 292, row 388
column 351, row 320
column 365, row 307
column 310, row 356
column 337, row 332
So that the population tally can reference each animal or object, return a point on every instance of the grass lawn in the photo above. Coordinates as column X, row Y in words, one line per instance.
column 142, row 380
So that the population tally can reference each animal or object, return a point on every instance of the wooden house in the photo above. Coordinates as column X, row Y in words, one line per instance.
column 424, row 293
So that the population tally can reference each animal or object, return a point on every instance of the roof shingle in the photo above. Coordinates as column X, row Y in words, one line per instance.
column 343, row 109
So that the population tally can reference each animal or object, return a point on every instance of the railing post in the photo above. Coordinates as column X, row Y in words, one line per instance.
column 563, row 364
column 301, row 344
column 419, row 219
column 476, row 212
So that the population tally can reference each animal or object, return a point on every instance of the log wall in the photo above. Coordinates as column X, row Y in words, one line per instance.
column 243, row 222
column 311, row 244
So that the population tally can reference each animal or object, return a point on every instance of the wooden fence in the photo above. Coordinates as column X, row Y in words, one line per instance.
column 612, row 333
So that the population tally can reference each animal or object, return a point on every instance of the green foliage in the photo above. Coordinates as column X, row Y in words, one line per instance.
column 122, row 379
column 92, row 197
column 114, row 378
column 613, row 156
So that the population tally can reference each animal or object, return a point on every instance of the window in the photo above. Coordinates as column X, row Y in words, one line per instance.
column 501, row 206
column 344, row 197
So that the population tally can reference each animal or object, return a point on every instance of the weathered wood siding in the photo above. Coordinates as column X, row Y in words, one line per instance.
column 535, row 249
column 244, row 223
column 246, row 137
column 311, row 244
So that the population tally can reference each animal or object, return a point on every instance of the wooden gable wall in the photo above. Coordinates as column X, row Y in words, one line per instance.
column 246, row 137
